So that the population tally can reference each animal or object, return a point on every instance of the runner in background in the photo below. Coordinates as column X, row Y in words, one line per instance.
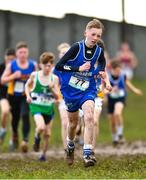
column 16, row 74
column 117, row 100
column 101, row 91
column 41, row 89
column 4, row 103
column 62, row 49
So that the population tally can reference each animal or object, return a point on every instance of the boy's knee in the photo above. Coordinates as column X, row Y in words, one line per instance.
column 47, row 134
column 96, row 123
column 41, row 128
column 117, row 114
column 5, row 112
column 89, row 118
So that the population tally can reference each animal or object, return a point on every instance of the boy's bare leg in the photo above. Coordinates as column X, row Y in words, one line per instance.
column 73, row 121
column 40, row 127
column 88, row 110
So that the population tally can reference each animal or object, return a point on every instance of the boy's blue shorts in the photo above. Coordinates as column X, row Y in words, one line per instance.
column 74, row 104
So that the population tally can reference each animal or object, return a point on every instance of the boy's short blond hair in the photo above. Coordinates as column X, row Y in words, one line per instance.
column 21, row 44
column 47, row 57
column 62, row 46
column 95, row 23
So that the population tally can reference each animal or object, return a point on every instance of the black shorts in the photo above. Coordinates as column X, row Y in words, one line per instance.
column 2, row 96
column 47, row 118
column 112, row 102
column 3, row 93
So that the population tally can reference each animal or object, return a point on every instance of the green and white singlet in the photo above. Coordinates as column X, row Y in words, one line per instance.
column 42, row 98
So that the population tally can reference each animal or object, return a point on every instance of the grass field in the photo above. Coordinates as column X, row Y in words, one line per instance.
column 128, row 166
column 107, row 167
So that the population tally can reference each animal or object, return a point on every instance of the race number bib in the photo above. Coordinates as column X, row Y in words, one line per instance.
column 41, row 99
column 118, row 94
column 79, row 83
column 19, row 87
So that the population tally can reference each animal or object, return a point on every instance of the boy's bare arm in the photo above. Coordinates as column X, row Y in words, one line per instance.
column 55, row 88
column 28, row 86
column 133, row 88
column 8, row 75
column 104, row 76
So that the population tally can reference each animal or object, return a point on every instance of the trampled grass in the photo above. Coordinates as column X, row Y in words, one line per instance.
column 106, row 167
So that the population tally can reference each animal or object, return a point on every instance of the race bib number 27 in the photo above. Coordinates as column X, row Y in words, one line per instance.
column 79, row 83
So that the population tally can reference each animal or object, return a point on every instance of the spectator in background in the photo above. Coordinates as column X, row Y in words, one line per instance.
column 4, row 104
column 127, row 59
column 16, row 74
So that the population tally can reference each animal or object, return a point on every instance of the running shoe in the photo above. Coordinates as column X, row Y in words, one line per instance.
column 122, row 140
column 2, row 135
column 89, row 161
column 70, row 153
column 36, row 145
column 92, row 156
column 24, row 147
column 42, row 158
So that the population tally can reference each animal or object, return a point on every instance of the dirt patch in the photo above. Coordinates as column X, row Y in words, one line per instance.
column 137, row 147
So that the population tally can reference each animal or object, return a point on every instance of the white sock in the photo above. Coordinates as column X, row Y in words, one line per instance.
column 88, row 146
column 115, row 137
column 120, row 130
column 3, row 129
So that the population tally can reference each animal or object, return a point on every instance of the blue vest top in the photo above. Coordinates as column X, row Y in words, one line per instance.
column 119, row 87
column 76, row 84
column 17, row 86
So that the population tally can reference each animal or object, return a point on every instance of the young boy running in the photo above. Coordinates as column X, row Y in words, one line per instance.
column 4, row 103
column 16, row 74
column 79, row 87
column 62, row 49
column 41, row 89
column 99, row 99
column 116, row 100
